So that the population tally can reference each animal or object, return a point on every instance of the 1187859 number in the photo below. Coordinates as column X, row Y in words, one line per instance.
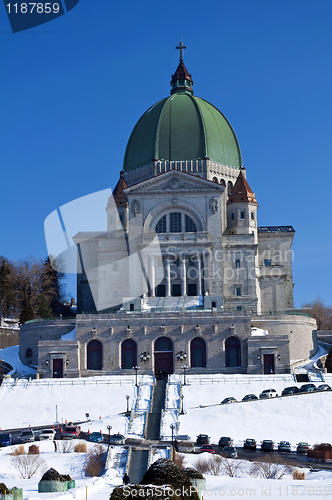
column 29, row 8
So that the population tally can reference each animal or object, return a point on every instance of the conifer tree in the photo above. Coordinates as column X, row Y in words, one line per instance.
column 26, row 313
column 8, row 300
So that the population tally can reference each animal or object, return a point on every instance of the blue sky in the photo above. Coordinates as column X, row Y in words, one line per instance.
column 73, row 89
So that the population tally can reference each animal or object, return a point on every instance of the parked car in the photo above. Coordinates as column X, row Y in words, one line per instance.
column 323, row 387
column 229, row 452
column 117, row 439
column 250, row 444
column 284, row 446
column 70, row 432
column 268, row 393
column 307, row 388
column 226, row 401
column 47, row 435
column 249, row 397
column 225, row 441
column 5, row 439
column 290, row 390
column 302, row 447
column 267, row 445
column 207, row 448
column 96, row 437
column 202, row 439
column 27, row 436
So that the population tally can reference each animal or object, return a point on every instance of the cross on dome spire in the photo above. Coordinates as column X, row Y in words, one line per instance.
column 181, row 48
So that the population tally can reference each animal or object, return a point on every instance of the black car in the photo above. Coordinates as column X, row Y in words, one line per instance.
column 307, row 388
column 225, row 441
column 249, row 397
column 290, row 390
column 267, row 445
column 250, row 444
column 226, row 401
column 202, row 439
column 323, row 387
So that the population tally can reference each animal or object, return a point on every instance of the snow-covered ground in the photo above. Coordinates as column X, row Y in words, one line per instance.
column 305, row 417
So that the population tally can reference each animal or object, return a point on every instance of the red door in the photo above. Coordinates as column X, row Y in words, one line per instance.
column 268, row 364
column 163, row 361
column 57, row 368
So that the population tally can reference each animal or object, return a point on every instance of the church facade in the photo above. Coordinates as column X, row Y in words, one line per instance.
column 183, row 277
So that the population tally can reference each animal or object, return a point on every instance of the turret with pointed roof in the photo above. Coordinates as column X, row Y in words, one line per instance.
column 242, row 208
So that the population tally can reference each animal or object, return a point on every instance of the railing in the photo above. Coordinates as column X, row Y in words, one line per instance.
column 60, row 318
column 199, row 309
column 70, row 382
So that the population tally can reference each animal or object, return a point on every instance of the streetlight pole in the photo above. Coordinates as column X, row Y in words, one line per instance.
column 172, row 427
column 127, row 397
column 181, row 398
column 109, row 427
column 184, row 368
column 136, row 368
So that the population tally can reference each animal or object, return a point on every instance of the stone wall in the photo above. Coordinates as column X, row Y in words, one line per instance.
column 32, row 332
column 301, row 331
column 9, row 337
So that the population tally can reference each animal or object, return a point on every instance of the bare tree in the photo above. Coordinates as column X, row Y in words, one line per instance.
column 321, row 313
column 28, row 465
column 230, row 467
column 268, row 469
column 65, row 446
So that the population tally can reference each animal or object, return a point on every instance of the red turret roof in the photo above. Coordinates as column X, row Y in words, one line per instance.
column 242, row 192
column 120, row 198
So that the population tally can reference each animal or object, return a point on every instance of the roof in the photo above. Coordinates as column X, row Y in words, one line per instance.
column 118, row 194
column 182, row 127
column 241, row 191
column 276, row 229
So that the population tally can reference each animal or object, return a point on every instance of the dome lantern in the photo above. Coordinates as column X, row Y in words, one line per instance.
column 181, row 80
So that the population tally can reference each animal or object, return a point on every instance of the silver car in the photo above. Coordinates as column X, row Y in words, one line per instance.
column 27, row 436
column 47, row 435
column 117, row 439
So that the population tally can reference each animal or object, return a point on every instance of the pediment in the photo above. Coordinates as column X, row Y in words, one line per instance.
column 174, row 181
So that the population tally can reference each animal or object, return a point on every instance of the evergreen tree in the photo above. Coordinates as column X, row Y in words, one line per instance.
column 26, row 313
column 51, row 287
column 8, row 300
column 44, row 307
column 328, row 362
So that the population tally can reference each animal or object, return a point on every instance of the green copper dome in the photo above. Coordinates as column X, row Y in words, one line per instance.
column 182, row 127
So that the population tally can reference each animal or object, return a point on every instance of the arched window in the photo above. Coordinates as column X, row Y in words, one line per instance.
column 161, row 225
column 95, row 355
column 215, row 180
column 163, row 344
column 198, row 353
column 223, row 182
column 128, row 354
column 233, row 352
column 29, row 353
column 230, row 186
column 190, row 225
column 175, row 222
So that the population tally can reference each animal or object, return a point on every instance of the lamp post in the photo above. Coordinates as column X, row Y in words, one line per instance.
column 109, row 427
column 172, row 427
column 184, row 368
column 181, row 398
column 136, row 368
column 127, row 398
column 181, row 355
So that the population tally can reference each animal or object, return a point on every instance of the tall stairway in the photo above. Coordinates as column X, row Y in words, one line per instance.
column 139, row 456
column 153, row 419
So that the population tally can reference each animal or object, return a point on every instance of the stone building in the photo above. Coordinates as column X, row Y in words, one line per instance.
column 183, row 275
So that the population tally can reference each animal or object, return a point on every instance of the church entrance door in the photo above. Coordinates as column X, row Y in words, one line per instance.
column 176, row 290
column 163, row 355
column 57, row 368
column 192, row 290
column 268, row 364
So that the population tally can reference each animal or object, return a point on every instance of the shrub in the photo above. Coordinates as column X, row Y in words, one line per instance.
column 202, row 465
column 53, row 475
column 80, row 447
column 95, row 462
column 28, row 465
column 65, row 446
column 178, row 459
column 269, row 468
column 193, row 473
column 33, row 450
column 298, row 475
column 19, row 450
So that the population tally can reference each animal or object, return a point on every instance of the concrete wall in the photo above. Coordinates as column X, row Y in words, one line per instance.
column 32, row 333
column 324, row 336
column 301, row 331
column 66, row 350
column 9, row 337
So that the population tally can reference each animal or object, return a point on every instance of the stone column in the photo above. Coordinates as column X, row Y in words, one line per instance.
column 183, row 275
column 152, row 276
column 199, row 276
column 168, row 278
column 206, row 273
